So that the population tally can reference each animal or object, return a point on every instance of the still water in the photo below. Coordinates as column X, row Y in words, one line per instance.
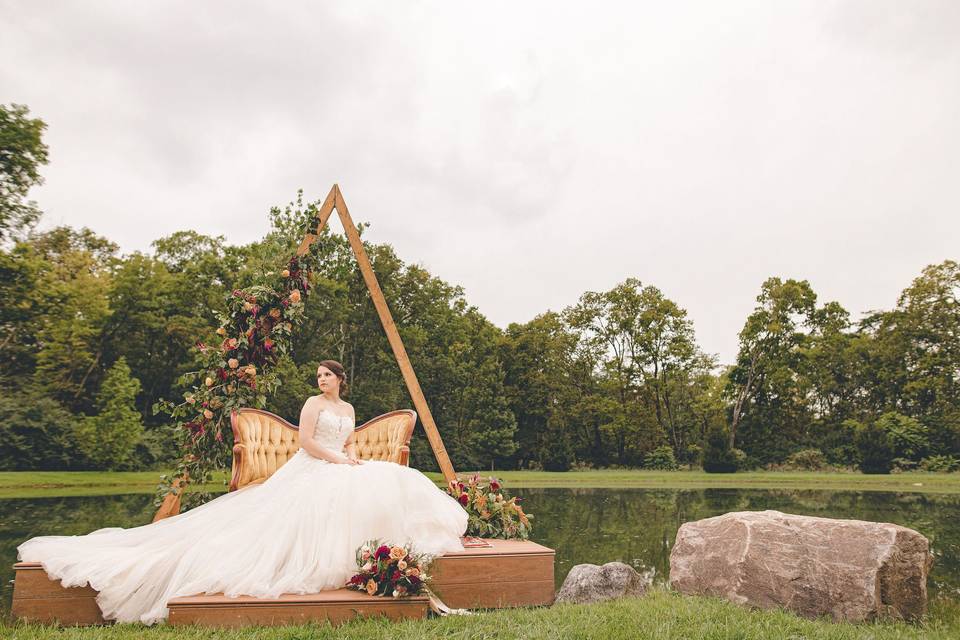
column 636, row 526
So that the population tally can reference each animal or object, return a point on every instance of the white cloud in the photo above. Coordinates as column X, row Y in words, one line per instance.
column 528, row 151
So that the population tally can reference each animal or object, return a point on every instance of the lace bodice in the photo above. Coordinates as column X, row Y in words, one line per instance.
column 331, row 431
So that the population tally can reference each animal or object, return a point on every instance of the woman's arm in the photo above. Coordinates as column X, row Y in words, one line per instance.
column 308, row 421
column 351, row 444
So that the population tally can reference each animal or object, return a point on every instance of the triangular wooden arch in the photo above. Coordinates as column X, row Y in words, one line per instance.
column 171, row 503
column 333, row 201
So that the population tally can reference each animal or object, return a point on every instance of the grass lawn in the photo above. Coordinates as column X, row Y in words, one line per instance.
column 27, row 484
column 660, row 614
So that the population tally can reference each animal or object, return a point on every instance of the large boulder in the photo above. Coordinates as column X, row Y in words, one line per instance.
column 845, row 569
column 591, row 583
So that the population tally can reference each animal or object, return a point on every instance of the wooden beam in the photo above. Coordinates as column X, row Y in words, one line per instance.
column 393, row 336
column 325, row 210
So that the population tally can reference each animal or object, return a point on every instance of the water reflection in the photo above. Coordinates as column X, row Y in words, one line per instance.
column 636, row 526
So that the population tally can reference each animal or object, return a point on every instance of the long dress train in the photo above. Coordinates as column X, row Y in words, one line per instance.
column 295, row 533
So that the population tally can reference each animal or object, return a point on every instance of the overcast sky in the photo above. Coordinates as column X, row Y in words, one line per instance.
column 529, row 151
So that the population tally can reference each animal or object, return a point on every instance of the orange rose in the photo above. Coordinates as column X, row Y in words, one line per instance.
column 285, row 273
column 295, row 296
column 371, row 587
column 233, row 363
column 401, row 565
column 208, row 414
column 274, row 313
column 397, row 553
column 208, row 381
column 251, row 371
column 221, row 331
column 413, row 571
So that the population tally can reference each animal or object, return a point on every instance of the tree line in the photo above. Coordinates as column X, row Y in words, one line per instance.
column 91, row 339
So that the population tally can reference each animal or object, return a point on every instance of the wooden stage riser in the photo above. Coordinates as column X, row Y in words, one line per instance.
column 509, row 573
column 37, row 598
column 496, row 595
column 266, row 615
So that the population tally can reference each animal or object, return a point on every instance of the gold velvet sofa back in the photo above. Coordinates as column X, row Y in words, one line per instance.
column 263, row 442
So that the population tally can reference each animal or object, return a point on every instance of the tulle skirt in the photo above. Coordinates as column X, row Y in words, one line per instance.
column 298, row 532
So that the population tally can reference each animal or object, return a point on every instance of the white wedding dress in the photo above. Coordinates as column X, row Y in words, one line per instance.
column 298, row 532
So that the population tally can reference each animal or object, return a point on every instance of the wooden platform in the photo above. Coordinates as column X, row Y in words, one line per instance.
column 509, row 573
column 336, row 607
column 37, row 598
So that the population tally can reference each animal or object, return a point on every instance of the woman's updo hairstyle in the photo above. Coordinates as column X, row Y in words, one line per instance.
column 338, row 371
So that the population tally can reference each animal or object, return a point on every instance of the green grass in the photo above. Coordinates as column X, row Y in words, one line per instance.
column 660, row 614
column 28, row 484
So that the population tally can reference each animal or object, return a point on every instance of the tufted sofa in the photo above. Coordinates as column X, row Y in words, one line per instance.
column 263, row 442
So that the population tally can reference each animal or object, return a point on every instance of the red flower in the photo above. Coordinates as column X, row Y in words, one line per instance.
column 414, row 581
column 396, row 576
column 494, row 485
column 464, row 499
column 382, row 552
column 357, row 579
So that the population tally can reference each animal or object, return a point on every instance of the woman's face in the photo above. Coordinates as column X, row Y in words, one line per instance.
column 327, row 380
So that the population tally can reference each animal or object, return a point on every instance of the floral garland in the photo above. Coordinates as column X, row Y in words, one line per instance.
column 492, row 512
column 238, row 372
column 389, row 570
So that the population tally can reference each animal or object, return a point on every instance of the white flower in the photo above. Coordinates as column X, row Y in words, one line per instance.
column 367, row 567
column 395, row 593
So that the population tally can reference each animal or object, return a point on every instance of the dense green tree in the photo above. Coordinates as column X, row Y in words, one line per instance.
column 22, row 152
column 109, row 438
column 36, row 433
column 718, row 456
column 770, row 344
column 876, row 450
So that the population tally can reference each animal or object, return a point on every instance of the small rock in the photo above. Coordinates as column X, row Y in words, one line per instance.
column 848, row 570
column 591, row 583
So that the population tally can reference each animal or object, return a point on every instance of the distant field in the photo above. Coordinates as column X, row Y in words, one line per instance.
column 28, row 484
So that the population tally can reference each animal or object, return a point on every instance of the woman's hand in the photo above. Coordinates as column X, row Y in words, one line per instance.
column 354, row 459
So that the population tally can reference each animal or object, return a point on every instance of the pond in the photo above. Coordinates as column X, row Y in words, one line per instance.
column 636, row 526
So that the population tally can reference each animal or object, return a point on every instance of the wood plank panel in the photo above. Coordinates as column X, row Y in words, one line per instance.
column 31, row 581
column 488, row 568
column 81, row 610
column 497, row 594
column 336, row 606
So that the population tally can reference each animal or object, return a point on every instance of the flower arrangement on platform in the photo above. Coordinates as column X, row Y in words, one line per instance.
column 236, row 370
column 492, row 512
column 389, row 570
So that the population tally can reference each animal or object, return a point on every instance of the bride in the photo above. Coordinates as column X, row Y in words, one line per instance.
column 298, row 532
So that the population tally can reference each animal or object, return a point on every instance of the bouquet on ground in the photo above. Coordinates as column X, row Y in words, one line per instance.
column 387, row 570
column 492, row 513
